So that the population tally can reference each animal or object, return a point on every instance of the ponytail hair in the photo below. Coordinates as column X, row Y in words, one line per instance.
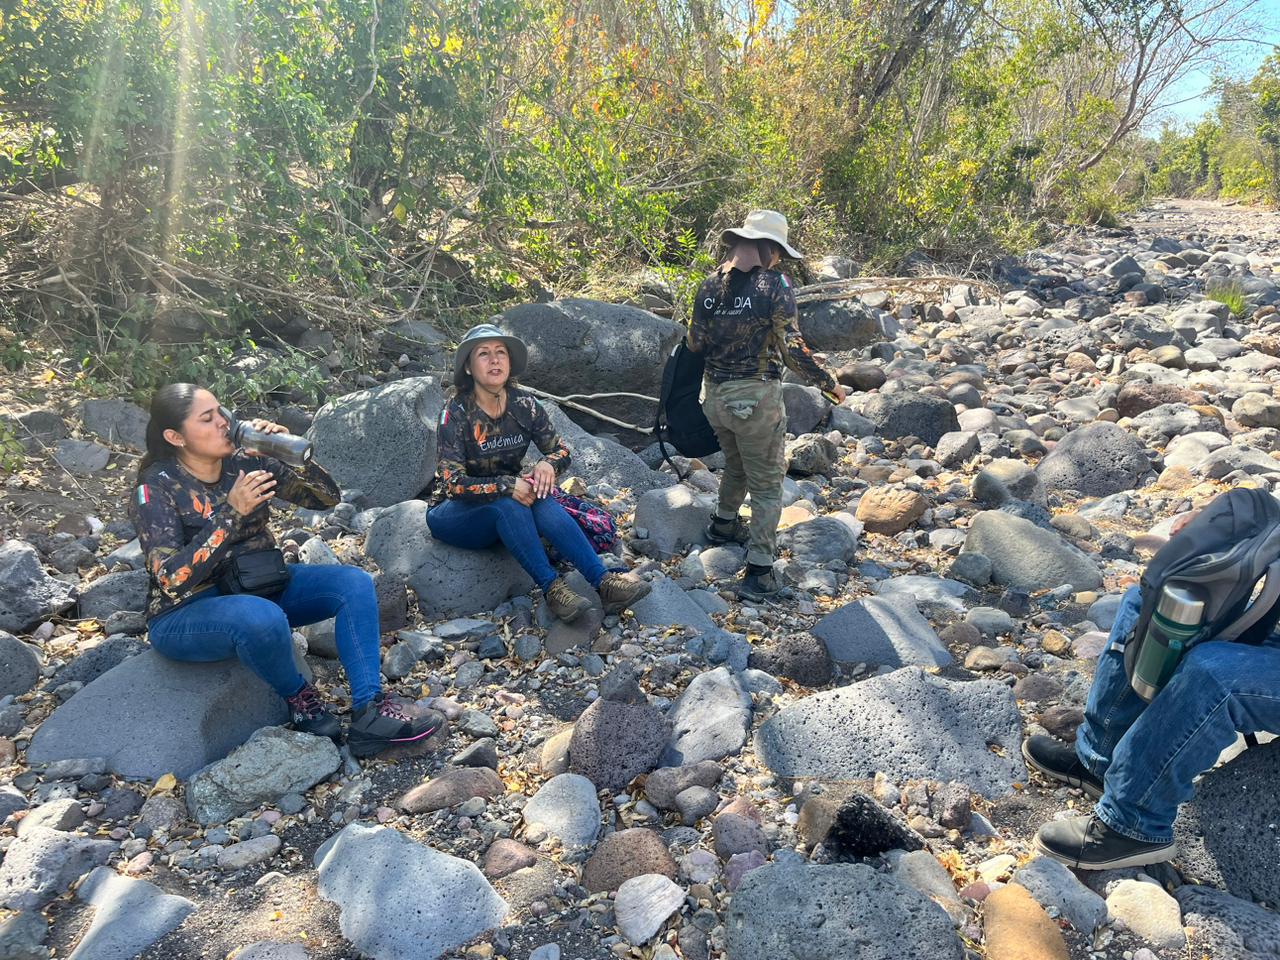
column 170, row 406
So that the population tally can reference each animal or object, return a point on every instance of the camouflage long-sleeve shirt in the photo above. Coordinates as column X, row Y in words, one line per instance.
column 479, row 458
column 187, row 529
column 747, row 330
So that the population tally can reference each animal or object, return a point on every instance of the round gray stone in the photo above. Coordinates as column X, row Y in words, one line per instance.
column 19, row 666
column 1027, row 556
column 911, row 414
column 428, row 902
column 796, row 912
column 908, row 725
column 1097, row 460
column 566, row 807
column 381, row 441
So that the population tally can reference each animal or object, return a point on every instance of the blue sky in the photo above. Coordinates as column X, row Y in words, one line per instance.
column 1194, row 88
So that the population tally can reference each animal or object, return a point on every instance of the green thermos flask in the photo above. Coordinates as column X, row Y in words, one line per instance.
column 1176, row 620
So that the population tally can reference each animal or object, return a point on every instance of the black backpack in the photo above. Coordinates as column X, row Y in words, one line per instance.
column 1221, row 555
column 680, row 420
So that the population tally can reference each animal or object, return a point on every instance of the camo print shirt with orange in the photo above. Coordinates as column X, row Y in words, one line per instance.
column 187, row 529
column 480, row 458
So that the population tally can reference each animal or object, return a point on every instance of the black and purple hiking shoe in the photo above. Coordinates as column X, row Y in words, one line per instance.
column 307, row 714
column 385, row 722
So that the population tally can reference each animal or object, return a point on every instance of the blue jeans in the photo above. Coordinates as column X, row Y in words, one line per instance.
column 258, row 630
column 1149, row 754
column 474, row 526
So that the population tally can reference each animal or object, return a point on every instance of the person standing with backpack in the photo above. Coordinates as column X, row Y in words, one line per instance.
column 1138, row 759
column 744, row 325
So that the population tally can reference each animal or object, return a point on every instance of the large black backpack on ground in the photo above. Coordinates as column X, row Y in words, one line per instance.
column 1222, row 556
column 680, row 421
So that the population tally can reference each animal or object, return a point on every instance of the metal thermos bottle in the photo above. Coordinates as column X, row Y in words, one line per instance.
column 285, row 447
column 1176, row 620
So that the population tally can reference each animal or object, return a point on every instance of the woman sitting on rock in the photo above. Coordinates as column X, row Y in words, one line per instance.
column 201, row 508
column 483, row 495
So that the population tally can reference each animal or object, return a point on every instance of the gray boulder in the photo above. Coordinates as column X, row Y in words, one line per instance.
column 668, row 605
column 1227, row 834
column 118, row 422
column 839, row 325
column 448, row 581
column 565, row 807
column 1161, row 424
column 115, row 592
column 151, row 716
column 1004, row 480
column 805, row 406
column 600, row 460
column 97, row 660
column 28, row 594
column 427, row 904
column 1225, row 927
column 1058, row 890
column 585, row 346
column 822, row 539
column 381, row 441
column 676, row 517
column 22, row 937
column 273, row 950
column 19, row 666
column 802, row 911
column 1029, row 557
column 911, row 414
column 82, row 457
column 881, row 631
column 129, row 915
column 709, row 720
column 40, row 865
column 1097, row 460
column 906, row 724
column 272, row 763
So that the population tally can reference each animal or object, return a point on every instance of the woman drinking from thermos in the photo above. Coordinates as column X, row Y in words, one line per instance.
column 219, row 586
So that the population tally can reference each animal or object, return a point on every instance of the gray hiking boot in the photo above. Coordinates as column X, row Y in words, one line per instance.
column 385, row 722
column 726, row 531
column 759, row 583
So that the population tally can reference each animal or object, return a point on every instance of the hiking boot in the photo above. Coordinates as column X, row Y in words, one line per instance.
column 1086, row 843
column 1058, row 761
column 308, row 715
column 620, row 590
column 726, row 531
column 385, row 722
column 565, row 602
column 759, row 583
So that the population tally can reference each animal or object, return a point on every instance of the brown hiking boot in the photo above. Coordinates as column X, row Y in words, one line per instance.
column 619, row 590
column 564, row 602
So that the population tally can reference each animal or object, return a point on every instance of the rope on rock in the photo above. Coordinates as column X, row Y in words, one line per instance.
column 572, row 400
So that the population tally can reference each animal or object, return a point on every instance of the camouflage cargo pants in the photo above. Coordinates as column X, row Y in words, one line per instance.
column 750, row 421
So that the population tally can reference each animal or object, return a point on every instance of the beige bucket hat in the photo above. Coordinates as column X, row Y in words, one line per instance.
column 763, row 225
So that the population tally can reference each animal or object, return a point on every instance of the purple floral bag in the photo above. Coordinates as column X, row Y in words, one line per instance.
column 596, row 522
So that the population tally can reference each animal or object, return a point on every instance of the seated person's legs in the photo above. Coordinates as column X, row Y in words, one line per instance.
column 318, row 592
column 552, row 521
column 474, row 526
column 213, row 627
column 1220, row 689
column 1110, row 711
column 618, row 590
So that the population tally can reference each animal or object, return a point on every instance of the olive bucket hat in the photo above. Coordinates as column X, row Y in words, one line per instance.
column 487, row 331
